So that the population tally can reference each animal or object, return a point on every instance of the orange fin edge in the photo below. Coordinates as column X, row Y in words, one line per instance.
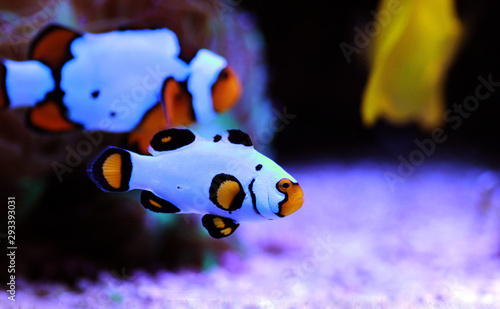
column 51, row 46
column 49, row 116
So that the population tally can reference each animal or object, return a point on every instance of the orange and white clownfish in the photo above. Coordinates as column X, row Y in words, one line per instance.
column 116, row 82
column 225, row 179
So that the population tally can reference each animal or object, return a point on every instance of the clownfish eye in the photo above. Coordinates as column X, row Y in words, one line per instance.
column 284, row 184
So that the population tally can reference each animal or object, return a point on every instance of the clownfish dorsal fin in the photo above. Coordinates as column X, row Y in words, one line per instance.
column 49, row 116
column 154, row 203
column 112, row 170
column 219, row 227
column 239, row 137
column 178, row 103
column 52, row 46
column 171, row 139
column 152, row 122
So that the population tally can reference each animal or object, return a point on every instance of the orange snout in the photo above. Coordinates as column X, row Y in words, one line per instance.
column 226, row 91
column 294, row 197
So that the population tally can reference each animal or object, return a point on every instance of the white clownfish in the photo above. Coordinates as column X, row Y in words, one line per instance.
column 116, row 82
column 225, row 179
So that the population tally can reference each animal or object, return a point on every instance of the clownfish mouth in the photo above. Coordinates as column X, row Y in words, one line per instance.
column 294, row 197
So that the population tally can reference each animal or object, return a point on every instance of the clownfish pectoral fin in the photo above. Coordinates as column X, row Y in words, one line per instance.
column 112, row 170
column 157, row 204
column 219, row 227
column 178, row 103
column 226, row 192
column 152, row 122
column 52, row 46
column 172, row 139
column 226, row 90
column 49, row 116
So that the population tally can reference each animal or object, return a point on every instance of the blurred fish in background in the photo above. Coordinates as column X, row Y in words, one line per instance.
column 66, row 224
column 121, row 81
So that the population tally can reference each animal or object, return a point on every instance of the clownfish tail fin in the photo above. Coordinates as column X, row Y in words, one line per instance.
column 111, row 170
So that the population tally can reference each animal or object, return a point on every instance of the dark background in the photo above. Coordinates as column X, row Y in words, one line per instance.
column 310, row 75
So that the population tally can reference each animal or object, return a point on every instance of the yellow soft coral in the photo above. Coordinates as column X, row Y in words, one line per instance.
column 411, row 56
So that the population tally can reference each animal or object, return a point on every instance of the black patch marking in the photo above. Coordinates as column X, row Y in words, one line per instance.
column 226, row 226
column 148, row 199
column 280, row 204
column 97, row 175
column 254, row 198
column 217, row 181
column 239, row 137
column 217, row 138
column 3, row 86
column 258, row 167
column 95, row 94
column 172, row 139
